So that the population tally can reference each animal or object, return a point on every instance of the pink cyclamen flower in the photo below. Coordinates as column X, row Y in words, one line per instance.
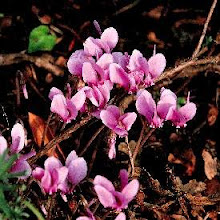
column 109, row 197
column 53, row 176
column 146, row 106
column 75, row 62
column 119, row 123
column 17, row 145
column 121, row 216
column 56, row 177
column 66, row 108
column 166, row 109
column 178, row 116
column 138, row 73
column 107, row 41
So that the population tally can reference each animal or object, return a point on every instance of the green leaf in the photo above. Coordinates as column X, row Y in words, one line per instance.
column 34, row 210
column 7, row 164
column 40, row 39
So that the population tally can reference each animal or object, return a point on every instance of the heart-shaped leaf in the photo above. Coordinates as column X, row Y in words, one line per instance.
column 40, row 39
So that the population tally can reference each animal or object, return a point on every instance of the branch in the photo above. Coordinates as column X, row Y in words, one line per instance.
column 43, row 61
column 195, row 54
column 61, row 137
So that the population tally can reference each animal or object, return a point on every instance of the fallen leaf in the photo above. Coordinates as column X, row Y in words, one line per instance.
column 45, row 19
column 210, row 164
column 38, row 125
column 155, row 13
column 212, row 115
column 187, row 158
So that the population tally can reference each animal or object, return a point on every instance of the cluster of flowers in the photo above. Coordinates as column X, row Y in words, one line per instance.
column 17, row 145
column 100, row 69
column 56, row 177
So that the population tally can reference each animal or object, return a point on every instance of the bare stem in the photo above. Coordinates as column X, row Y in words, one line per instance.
column 195, row 54
column 61, row 137
column 130, row 156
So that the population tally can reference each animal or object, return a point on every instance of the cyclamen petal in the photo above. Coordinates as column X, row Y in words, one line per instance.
column 128, row 120
column 3, row 145
column 76, row 61
column 110, row 37
column 121, row 216
column 18, row 138
column 105, row 60
column 54, row 91
column 157, row 64
column 77, row 170
column 105, row 197
column 124, row 178
column 167, row 100
column 92, row 47
column 72, row 156
column 130, row 190
column 108, row 119
column 104, row 182
column 79, row 99
column 21, row 166
column 89, row 74
column 145, row 105
column 38, row 173
column 118, row 75
column 52, row 163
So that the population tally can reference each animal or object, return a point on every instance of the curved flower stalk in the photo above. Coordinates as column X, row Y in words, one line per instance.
column 17, row 145
column 166, row 109
column 56, row 177
column 110, row 197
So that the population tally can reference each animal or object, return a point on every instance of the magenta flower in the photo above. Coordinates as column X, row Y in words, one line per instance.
column 117, row 122
column 121, row 216
column 56, row 177
column 109, row 197
column 66, row 108
column 178, row 116
column 166, row 109
column 17, row 145
column 107, row 41
column 136, row 72
column 75, row 62
column 53, row 176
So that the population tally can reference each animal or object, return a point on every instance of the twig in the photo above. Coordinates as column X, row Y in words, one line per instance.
column 40, row 61
column 91, row 140
column 18, row 97
column 170, row 74
column 61, row 137
column 204, row 29
column 130, row 156
column 137, row 148
column 127, row 7
column 147, row 137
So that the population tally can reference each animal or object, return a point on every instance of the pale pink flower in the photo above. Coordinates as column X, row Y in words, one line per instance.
column 67, row 108
column 56, row 177
column 117, row 122
column 109, row 197
column 107, row 41
column 166, row 108
column 17, row 145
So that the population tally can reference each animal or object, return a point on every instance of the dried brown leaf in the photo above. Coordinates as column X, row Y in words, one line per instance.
column 212, row 115
column 210, row 164
column 38, row 125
